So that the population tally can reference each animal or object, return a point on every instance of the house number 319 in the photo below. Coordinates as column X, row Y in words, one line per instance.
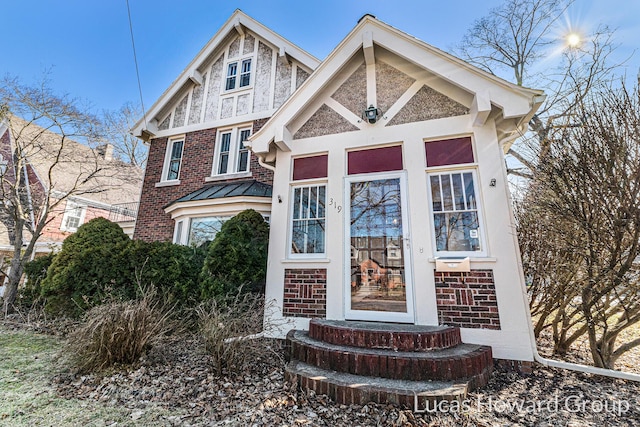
column 335, row 205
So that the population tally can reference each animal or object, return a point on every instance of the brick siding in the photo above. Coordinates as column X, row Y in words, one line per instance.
column 305, row 293
column 152, row 222
column 467, row 300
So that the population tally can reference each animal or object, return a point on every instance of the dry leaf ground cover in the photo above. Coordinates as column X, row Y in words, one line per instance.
column 174, row 385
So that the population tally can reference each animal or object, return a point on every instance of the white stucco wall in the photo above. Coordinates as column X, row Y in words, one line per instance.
column 512, row 340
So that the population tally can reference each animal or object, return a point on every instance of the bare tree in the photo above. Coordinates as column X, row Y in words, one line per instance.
column 40, row 127
column 515, row 38
column 127, row 148
column 586, row 196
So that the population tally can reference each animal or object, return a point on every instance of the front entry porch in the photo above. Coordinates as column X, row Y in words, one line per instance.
column 412, row 365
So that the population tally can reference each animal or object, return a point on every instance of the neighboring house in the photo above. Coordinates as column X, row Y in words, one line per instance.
column 389, row 201
column 85, row 183
column 198, row 171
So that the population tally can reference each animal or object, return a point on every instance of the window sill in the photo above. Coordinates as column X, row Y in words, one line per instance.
column 471, row 259
column 305, row 260
column 236, row 90
column 227, row 176
column 168, row 183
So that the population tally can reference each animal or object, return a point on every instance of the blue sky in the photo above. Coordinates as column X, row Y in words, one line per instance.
column 86, row 44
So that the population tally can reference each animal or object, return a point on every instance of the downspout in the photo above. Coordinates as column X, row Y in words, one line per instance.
column 265, row 165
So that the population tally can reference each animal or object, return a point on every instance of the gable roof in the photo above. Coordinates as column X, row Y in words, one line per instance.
column 370, row 36
column 236, row 24
column 62, row 166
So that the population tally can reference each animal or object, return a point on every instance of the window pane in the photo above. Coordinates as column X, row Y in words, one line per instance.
column 305, row 203
column 225, row 142
column 174, row 169
column 458, row 195
column 232, row 71
column 245, row 76
column 435, row 193
column 313, row 202
column 224, row 163
column 244, row 135
column 296, row 203
column 205, row 229
column 321, row 198
column 176, row 150
column 469, row 191
column 457, row 231
column 446, row 192
column 73, row 222
column 243, row 152
column 243, row 161
column 246, row 66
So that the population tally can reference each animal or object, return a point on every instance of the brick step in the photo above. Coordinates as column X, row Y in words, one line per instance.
column 465, row 361
column 348, row 389
column 390, row 336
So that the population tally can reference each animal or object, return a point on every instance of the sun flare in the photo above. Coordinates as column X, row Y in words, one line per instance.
column 573, row 40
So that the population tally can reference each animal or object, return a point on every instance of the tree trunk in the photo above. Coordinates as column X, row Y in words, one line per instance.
column 11, row 292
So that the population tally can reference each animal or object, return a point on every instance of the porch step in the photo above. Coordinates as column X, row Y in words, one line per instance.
column 360, row 362
column 379, row 335
column 349, row 389
column 464, row 361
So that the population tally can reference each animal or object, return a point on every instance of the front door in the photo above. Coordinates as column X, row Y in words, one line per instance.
column 379, row 279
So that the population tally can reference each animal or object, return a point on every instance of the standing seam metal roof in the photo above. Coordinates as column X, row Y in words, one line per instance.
column 250, row 188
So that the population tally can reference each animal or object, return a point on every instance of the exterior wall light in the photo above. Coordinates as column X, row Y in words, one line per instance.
column 371, row 114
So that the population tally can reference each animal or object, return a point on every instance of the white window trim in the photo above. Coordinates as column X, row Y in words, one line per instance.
column 70, row 206
column 179, row 231
column 479, row 205
column 239, row 59
column 300, row 256
column 167, row 160
column 232, row 164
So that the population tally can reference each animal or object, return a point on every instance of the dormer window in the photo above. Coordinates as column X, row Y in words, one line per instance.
column 244, row 80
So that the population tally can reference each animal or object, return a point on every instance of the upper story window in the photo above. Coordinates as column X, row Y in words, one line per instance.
column 73, row 217
column 231, row 154
column 173, row 159
column 234, row 68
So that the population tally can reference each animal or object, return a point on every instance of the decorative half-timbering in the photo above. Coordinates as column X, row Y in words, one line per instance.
column 197, row 128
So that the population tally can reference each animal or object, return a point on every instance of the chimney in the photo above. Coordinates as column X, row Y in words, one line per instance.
column 105, row 151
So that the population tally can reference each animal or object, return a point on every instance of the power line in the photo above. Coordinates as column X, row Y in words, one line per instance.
column 135, row 59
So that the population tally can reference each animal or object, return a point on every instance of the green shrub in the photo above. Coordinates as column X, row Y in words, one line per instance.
column 35, row 271
column 119, row 332
column 237, row 257
column 87, row 268
column 173, row 269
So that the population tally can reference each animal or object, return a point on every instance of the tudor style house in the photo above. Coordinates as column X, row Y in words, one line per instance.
column 390, row 192
column 199, row 173
column 382, row 171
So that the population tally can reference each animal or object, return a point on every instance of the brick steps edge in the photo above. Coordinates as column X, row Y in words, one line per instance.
column 464, row 362
column 419, row 339
column 350, row 389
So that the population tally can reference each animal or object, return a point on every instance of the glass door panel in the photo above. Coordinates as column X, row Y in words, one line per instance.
column 378, row 282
